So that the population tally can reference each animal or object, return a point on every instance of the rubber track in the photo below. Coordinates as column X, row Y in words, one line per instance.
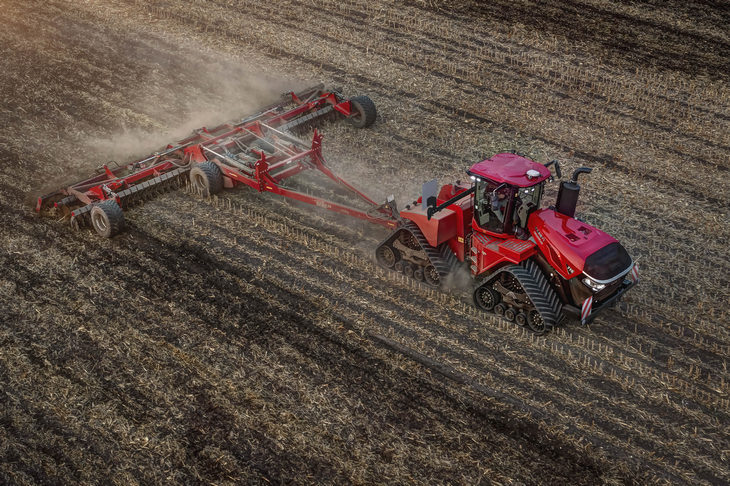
column 435, row 255
column 538, row 289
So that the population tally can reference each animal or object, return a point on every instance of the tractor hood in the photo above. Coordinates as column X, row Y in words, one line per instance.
column 573, row 247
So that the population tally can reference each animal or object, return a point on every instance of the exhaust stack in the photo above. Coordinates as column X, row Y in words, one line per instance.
column 568, row 193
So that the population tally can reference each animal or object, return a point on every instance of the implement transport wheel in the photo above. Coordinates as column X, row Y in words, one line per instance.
column 536, row 322
column 206, row 178
column 363, row 112
column 107, row 218
column 486, row 298
column 431, row 275
column 386, row 256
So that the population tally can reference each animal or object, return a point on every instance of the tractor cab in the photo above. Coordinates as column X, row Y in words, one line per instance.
column 508, row 187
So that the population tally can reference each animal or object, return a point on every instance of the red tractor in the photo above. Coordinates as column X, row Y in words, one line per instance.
column 531, row 265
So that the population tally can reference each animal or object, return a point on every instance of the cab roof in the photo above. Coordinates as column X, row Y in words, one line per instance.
column 509, row 169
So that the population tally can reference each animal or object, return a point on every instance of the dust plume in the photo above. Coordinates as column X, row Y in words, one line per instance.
column 203, row 94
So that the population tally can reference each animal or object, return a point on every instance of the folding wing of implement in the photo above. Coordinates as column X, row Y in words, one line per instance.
column 260, row 151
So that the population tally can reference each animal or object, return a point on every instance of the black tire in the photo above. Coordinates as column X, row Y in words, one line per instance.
column 521, row 319
column 499, row 309
column 206, row 178
column 107, row 218
column 398, row 267
column 418, row 274
column 363, row 112
column 485, row 298
column 510, row 314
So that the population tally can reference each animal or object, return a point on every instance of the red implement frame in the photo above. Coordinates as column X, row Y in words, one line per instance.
column 258, row 151
column 288, row 158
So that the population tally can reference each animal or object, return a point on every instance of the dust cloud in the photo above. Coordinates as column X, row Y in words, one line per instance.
column 181, row 97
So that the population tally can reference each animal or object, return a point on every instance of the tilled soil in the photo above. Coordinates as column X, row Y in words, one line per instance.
column 244, row 339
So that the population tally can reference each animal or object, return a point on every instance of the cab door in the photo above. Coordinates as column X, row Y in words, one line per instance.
column 494, row 207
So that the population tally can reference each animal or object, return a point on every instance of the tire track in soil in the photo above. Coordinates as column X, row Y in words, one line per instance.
column 224, row 235
column 289, row 223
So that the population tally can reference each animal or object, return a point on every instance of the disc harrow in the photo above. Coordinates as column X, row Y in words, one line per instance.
column 261, row 151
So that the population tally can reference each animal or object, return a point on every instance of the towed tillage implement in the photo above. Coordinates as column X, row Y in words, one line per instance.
column 260, row 151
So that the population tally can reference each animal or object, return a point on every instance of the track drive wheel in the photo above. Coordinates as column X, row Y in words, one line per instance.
column 206, row 178
column 486, row 298
column 107, row 218
column 363, row 111
column 386, row 256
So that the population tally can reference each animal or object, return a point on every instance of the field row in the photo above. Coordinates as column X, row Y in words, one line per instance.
column 453, row 347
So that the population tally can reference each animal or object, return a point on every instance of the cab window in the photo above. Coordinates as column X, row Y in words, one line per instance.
column 494, row 206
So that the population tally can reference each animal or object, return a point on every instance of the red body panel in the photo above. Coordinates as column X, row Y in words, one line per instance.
column 565, row 241
column 490, row 253
column 440, row 228
column 455, row 228
column 510, row 169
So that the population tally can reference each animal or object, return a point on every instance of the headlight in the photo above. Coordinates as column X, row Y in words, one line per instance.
column 593, row 284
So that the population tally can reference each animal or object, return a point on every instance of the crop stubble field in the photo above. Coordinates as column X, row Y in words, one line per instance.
column 245, row 339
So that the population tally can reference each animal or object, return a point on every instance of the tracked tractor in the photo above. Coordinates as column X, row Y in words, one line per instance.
column 531, row 265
